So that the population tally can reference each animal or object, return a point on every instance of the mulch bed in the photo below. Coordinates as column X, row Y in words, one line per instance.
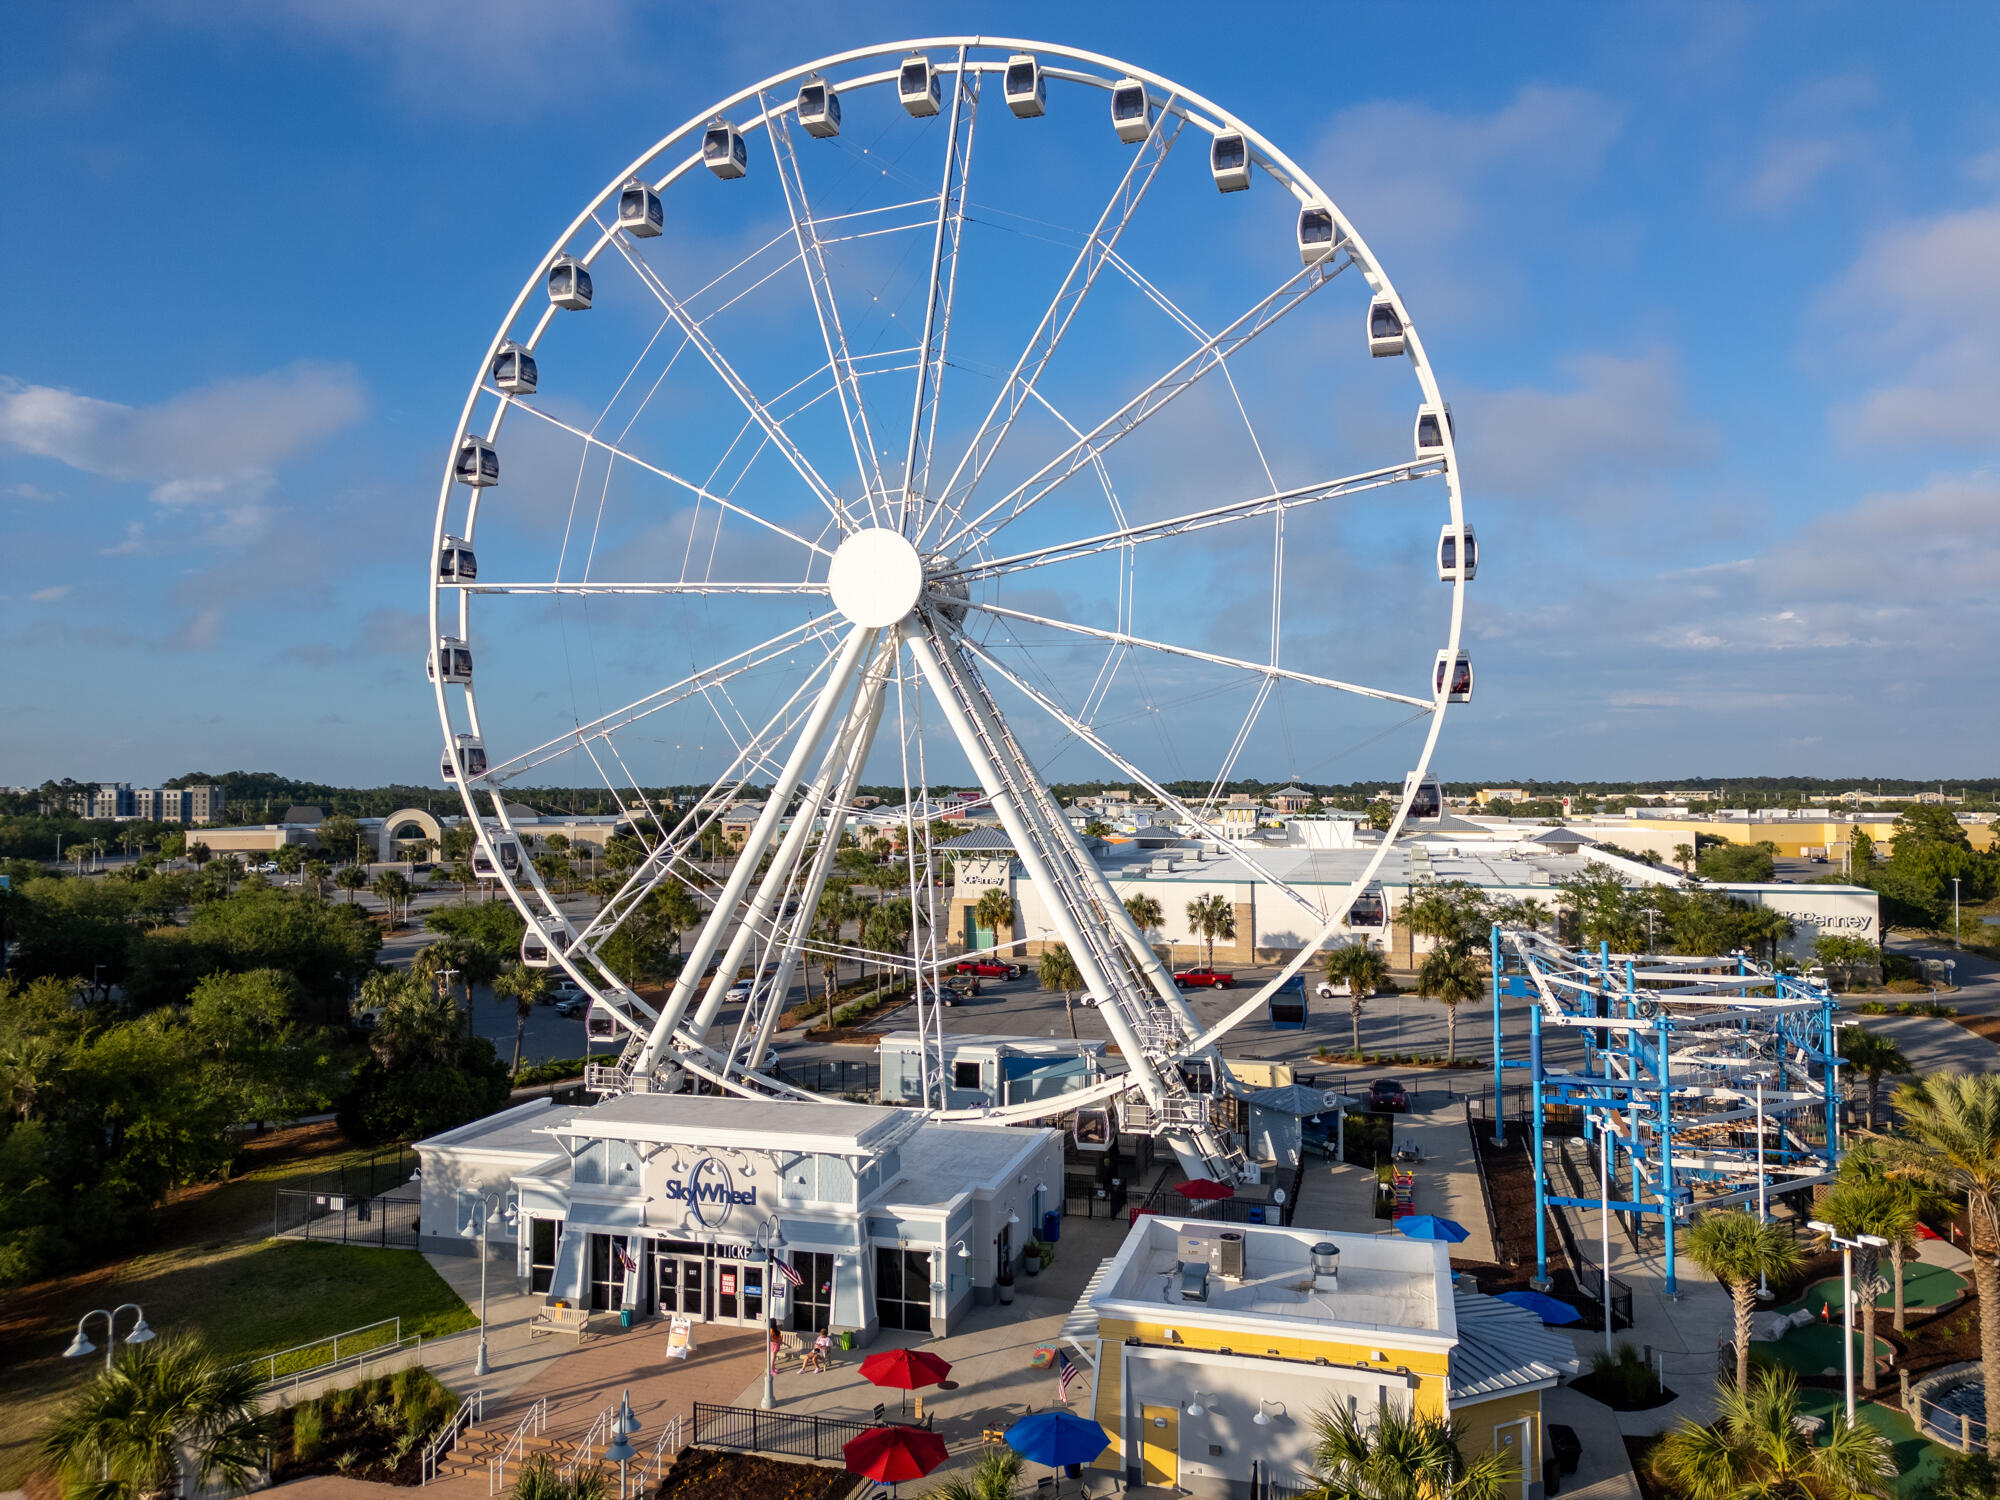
column 706, row 1474
column 1510, row 1180
column 1639, row 1450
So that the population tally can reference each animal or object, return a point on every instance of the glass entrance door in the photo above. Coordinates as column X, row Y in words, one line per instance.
column 682, row 1283
column 903, row 1288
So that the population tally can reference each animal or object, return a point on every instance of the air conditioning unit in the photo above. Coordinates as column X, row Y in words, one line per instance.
column 1229, row 1255
column 1194, row 1282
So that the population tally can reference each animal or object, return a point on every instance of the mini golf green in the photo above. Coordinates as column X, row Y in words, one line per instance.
column 1814, row 1350
column 1919, row 1461
column 1924, row 1286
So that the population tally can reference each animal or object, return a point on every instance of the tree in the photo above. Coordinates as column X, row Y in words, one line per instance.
column 1950, row 1133
column 1365, row 969
column 1863, row 1162
column 1452, row 912
column 1684, row 857
column 340, row 835
column 1874, row 1055
column 1858, row 1206
column 1400, row 1454
column 317, row 873
column 1146, row 914
column 1756, row 1449
column 290, row 859
column 1860, row 856
column 994, row 911
column 125, row 1435
column 395, row 890
column 1451, row 975
column 527, row 988
column 350, row 878
column 1211, row 917
column 886, row 931
column 1739, row 1251
column 1058, row 971
column 1842, row 955
column 996, row 1475
column 1097, row 828
column 1745, row 863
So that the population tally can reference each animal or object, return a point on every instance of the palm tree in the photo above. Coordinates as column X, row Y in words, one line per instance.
column 1950, row 1133
column 1366, row 970
column 350, row 878
column 1739, row 1251
column 1211, row 917
column 1684, row 856
column 993, row 911
column 1451, row 975
column 1873, row 1054
column 126, row 1435
column 1146, row 915
column 318, row 871
column 996, row 1476
column 526, row 987
column 1401, row 1455
column 1863, row 1162
column 1058, row 971
column 1755, row 1449
column 1859, row 1206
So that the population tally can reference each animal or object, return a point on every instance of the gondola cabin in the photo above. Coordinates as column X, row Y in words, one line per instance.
column 466, row 750
column 509, row 854
column 1427, row 805
column 917, row 86
column 639, row 211
column 1431, row 432
column 1229, row 161
column 457, row 563
column 569, row 283
column 452, row 661
column 538, row 949
column 1286, row 1009
column 723, row 151
column 819, row 109
column 1460, row 669
column 478, row 463
column 1131, row 111
column 1319, row 236
column 1026, row 90
column 601, row 1022
column 1458, row 554
column 1368, row 910
column 514, row 370
column 1385, row 329
column 1095, row 1129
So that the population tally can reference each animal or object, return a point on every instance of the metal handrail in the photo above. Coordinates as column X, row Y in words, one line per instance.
column 536, row 1421
column 586, row 1445
column 270, row 1361
column 668, row 1446
column 470, row 1410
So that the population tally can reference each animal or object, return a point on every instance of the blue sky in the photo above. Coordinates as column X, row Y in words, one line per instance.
column 1711, row 289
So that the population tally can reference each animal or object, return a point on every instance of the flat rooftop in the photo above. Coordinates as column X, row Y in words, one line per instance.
column 943, row 1160
column 753, row 1124
column 1386, row 1284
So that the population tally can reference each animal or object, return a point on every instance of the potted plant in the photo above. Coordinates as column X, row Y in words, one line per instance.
column 1034, row 1258
column 1003, row 1284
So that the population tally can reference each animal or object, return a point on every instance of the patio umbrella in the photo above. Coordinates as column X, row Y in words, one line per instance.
column 1204, row 1190
column 1431, row 1227
column 904, row 1369
column 1548, row 1309
column 1057, row 1438
column 890, row 1455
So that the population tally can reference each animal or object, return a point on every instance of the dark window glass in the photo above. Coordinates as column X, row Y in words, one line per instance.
column 1315, row 227
column 965, row 1075
column 1384, row 323
column 1128, row 104
column 715, row 145
column 1229, row 151
column 1427, row 432
column 1448, row 553
column 631, row 204
column 544, row 1236
column 913, row 78
column 1021, row 78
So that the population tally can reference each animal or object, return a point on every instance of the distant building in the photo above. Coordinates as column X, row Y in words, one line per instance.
column 120, row 799
column 1488, row 794
column 1292, row 799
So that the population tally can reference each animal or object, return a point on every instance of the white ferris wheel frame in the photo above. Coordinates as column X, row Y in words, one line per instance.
column 679, row 1034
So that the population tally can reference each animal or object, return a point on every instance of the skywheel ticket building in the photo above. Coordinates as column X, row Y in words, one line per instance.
column 689, row 1205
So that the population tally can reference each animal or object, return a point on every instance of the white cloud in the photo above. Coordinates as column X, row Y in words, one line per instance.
column 1787, row 170
column 1922, row 304
column 51, row 594
column 217, row 445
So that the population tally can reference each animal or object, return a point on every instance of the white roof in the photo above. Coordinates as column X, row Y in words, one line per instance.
column 749, row 1124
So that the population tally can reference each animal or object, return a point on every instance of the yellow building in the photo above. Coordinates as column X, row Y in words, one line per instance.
column 1215, row 1345
column 1796, row 838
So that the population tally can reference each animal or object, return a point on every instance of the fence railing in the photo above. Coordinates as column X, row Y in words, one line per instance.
column 833, row 1075
column 532, row 1424
column 385, row 1220
column 470, row 1410
column 586, row 1450
column 668, row 1447
column 750, row 1429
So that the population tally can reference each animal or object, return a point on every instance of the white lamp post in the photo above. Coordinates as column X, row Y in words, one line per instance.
column 1763, row 1205
column 771, row 1249
column 81, row 1344
column 1847, row 1249
column 490, row 1208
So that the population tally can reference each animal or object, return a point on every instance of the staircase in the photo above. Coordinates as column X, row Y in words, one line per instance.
column 473, row 1458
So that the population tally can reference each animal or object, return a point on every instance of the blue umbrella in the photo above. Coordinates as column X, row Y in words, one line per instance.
column 1056, row 1438
column 1431, row 1227
column 1548, row 1309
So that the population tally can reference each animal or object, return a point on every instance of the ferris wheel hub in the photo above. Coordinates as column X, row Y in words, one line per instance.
column 876, row 577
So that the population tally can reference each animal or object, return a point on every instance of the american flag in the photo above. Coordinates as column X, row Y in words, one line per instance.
column 1066, row 1371
column 792, row 1278
column 624, row 1257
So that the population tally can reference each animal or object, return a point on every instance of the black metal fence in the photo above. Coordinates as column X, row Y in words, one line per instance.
column 833, row 1075
column 386, row 1220
column 750, row 1430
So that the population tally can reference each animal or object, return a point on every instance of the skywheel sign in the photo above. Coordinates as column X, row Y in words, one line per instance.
column 709, row 1192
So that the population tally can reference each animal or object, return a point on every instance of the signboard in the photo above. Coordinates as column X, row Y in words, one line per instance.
column 728, row 1287
column 976, row 875
column 709, row 1192
column 680, row 1338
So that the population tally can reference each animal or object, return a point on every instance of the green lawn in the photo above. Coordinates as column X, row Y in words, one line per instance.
column 1919, row 1461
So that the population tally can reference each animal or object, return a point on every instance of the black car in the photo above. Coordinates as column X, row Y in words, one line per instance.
column 1387, row 1096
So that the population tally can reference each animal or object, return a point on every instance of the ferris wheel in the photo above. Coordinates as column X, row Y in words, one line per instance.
column 962, row 412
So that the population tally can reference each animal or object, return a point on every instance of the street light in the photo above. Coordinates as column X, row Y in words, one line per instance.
column 81, row 1344
column 771, row 1249
column 1847, row 1249
column 490, row 1209
column 1763, row 1205
column 1954, row 913
column 619, row 1450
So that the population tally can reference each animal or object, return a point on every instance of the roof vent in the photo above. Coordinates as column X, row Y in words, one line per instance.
column 1194, row 1281
column 1326, row 1265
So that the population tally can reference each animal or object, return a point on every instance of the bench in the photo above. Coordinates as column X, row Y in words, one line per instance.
column 574, row 1321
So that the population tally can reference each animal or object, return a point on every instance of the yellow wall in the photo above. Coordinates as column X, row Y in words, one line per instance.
column 1430, row 1366
column 1792, row 837
column 1481, row 1418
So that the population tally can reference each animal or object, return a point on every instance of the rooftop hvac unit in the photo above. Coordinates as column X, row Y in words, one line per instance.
column 1229, row 1255
column 1194, row 1282
column 1196, row 1245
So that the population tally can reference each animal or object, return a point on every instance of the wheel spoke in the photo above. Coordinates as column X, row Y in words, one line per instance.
column 1259, row 669
column 1129, row 417
column 946, row 239
column 695, row 586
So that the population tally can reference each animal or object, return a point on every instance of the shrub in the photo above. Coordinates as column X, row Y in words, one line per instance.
column 308, row 1427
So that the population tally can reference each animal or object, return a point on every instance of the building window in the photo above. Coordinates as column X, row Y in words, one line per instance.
column 965, row 1075
column 903, row 1288
column 812, row 1299
column 544, row 1236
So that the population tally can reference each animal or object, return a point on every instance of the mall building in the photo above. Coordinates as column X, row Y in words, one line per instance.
column 684, row 1204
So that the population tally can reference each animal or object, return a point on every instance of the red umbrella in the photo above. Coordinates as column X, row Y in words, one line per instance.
column 1204, row 1190
column 890, row 1455
column 904, row 1369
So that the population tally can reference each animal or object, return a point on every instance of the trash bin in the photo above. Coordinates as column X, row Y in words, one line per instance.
column 624, row 1317
column 1052, row 1225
